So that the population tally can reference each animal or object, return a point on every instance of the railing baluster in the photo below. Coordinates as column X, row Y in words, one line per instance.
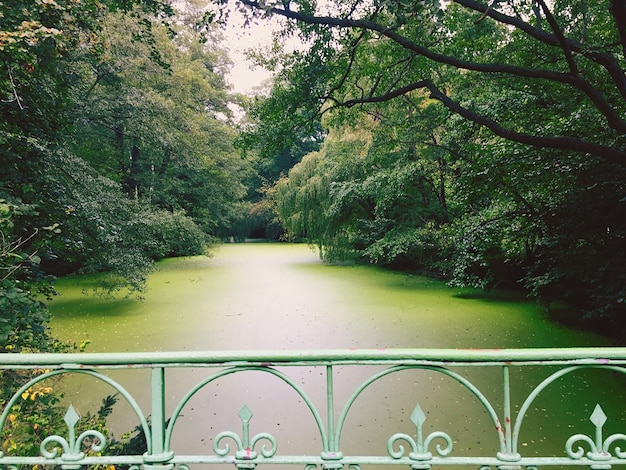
column 510, row 454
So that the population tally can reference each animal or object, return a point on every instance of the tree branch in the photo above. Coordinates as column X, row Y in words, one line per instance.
column 608, row 61
column 613, row 118
column 17, row 96
column 618, row 10
column 573, row 68
column 555, row 142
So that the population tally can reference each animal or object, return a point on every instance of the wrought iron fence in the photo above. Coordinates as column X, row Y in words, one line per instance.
column 420, row 449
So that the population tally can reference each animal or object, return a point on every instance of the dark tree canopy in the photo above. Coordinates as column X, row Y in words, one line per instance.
column 572, row 47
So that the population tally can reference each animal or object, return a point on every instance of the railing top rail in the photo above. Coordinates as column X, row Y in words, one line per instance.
column 446, row 357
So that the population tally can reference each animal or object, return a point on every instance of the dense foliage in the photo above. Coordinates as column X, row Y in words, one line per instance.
column 116, row 150
column 483, row 142
column 116, row 132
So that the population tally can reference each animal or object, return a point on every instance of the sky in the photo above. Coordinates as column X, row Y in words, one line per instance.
column 244, row 77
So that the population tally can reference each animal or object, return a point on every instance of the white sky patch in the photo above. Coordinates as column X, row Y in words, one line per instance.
column 245, row 76
column 258, row 35
column 238, row 37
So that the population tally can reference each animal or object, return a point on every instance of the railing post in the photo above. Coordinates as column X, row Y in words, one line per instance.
column 159, row 456
column 331, row 453
column 510, row 454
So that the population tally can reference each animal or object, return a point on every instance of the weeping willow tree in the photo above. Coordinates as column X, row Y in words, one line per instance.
column 368, row 197
column 320, row 200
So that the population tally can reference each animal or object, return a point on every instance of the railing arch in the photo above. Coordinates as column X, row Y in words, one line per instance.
column 552, row 378
column 47, row 375
column 234, row 370
column 441, row 370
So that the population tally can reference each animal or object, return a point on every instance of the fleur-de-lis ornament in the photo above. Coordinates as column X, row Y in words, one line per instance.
column 72, row 445
column 419, row 445
column 245, row 444
column 600, row 448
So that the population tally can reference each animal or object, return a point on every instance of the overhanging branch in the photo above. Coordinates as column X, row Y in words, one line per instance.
column 554, row 142
column 608, row 61
column 572, row 79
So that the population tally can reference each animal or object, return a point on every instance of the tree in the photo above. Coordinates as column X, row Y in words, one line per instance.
column 130, row 105
column 167, row 124
column 86, row 86
column 22, row 286
column 579, row 53
column 536, row 90
column 377, row 190
column 264, row 134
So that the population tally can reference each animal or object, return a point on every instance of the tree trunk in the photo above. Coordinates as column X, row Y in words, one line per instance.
column 165, row 163
column 134, row 170
column 119, row 144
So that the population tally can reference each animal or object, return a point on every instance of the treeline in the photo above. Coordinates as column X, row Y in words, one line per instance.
column 483, row 144
column 116, row 147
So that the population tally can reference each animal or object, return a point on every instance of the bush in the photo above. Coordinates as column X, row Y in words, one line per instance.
column 168, row 234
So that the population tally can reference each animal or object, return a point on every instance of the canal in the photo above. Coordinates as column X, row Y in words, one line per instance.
column 259, row 296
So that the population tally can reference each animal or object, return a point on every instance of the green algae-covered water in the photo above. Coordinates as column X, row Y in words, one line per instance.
column 280, row 296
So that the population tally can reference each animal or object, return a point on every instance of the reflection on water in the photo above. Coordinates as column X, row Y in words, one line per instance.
column 279, row 296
